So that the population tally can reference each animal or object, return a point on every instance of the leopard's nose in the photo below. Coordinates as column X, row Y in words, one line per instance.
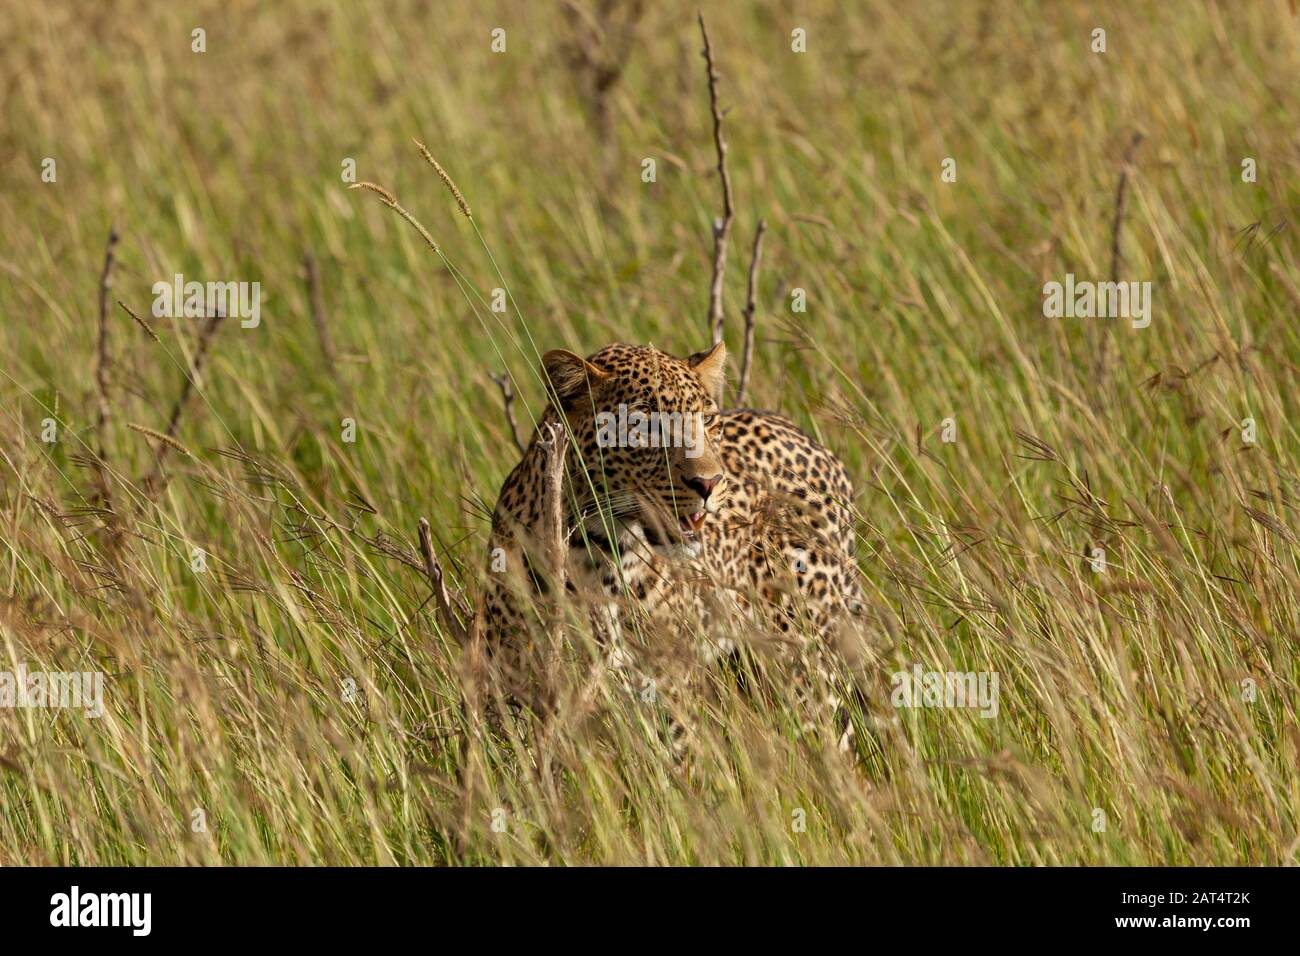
column 703, row 486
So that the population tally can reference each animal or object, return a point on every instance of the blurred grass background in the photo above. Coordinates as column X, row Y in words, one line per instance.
column 1122, row 691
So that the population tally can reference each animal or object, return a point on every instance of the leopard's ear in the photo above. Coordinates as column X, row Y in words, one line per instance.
column 572, row 377
column 711, row 366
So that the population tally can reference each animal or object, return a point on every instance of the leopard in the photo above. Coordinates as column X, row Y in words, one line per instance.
column 709, row 513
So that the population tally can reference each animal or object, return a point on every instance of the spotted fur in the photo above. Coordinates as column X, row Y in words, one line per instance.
column 756, row 517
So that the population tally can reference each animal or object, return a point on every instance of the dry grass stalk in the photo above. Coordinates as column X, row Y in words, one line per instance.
column 751, row 304
column 1291, row 288
column 160, row 437
column 446, row 611
column 392, row 203
column 721, row 227
column 446, row 180
column 140, row 322
column 508, row 400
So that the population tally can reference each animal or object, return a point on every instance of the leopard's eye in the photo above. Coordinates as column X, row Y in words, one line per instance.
column 710, row 419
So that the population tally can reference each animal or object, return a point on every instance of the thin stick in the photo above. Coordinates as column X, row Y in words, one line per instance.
column 598, row 53
column 508, row 400
column 555, row 448
column 1121, row 204
column 436, row 581
column 722, row 227
column 1287, row 284
column 101, row 368
column 174, row 420
column 553, row 504
column 1116, row 245
column 755, row 260
column 317, row 304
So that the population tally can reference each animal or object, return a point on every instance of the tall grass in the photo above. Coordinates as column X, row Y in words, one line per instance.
column 1122, row 694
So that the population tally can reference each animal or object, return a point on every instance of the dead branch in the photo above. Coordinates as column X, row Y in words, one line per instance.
column 597, row 52
column 174, row 420
column 553, row 534
column 1121, row 204
column 446, row 613
column 1116, row 245
column 102, row 371
column 721, row 227
column 508, row 400
column 553, row 539
column 755, row 261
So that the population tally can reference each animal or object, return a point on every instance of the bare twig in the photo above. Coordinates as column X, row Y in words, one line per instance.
column 553, row 537
column 552, row 529
column 508, row 400
column 721, row 227
column 433, row 570
column 1116, row 245
column 174, row 420
column 755, row 261
column 1121, row 204
column 317, row 304
column 101, row 370
column 597, row 52
column 196, row 369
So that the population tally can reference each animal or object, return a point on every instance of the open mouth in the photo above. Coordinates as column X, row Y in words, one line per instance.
column 692, row 523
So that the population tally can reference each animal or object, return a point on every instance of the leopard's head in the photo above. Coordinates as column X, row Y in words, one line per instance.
column 646, row 426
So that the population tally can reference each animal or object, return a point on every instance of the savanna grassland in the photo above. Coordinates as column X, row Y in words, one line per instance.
column 1075, row 504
